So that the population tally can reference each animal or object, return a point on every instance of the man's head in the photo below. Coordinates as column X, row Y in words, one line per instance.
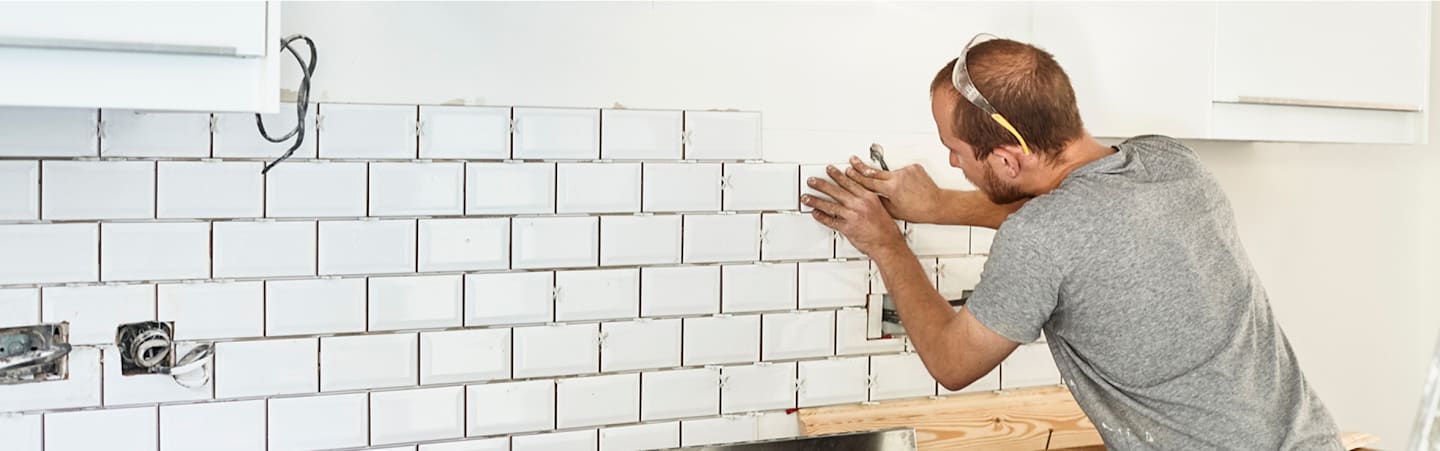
column 1029, row 88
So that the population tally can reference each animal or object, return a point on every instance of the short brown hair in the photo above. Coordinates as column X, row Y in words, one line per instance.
column 1024, row 84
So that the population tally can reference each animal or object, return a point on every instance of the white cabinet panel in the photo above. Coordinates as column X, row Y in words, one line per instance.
column 798, row 335
column 369, row 361
column 761, row 186
column 795, row 236
column 938, row 240
column 597, row 400
column 722, row 135
column 47, row 253
column 102, row 429
column 417, row 189
column 509, row 188
column 834, row 283
column 323, row 306
column 319, row 422
column 597, row 188
column 758, row 287
column 49, row 132
column 367, row 131
column 129, row 133
column 417, row 415
column 679, row 393
column 154, row 251
column 315, row 189
column 899, row 376
column 721, row 339
column 468, row 244
column 557, row 242
column 510, row 407
column 218, row 426
column 557, row 133
column 264, row 248
column 19, row 190
column 236, row 135
column 597, row 294
column 509, row 298
column 640, row 437
column 555, row 350
column 959, row 274
column 762, row 386
column 209, row 189
column 833, row 381
column 415, row 302
column 464, row 132
column 470, row 355
column 641, row 134
column 677, row 187
column 639, row 240
column 367, row 246
column 639, row 344
column 679, row 290
column 97, row 190
column 721, row 238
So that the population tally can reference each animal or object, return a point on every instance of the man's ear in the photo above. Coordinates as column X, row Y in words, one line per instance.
column 1011, row 158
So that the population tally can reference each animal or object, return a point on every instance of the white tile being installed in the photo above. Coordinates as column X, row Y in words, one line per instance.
column 583, row 440
column 509, row 298
column 264, row 248
column 639, row 240
column 899, row 376
column 721, row 339
column 487, row 444
column 369, row 361
column 843, row 380
column 19, row 190
column 798, row 335
column 49, row 132
column 300, row 189
column 955, row 275
column 133, row 428
column 556, row 350
column 80, row 389
column 555, row 242
column 415, row 302
column 679, row 290
column 509, row 188
column 641, row 436
column 640, row 344
column 989, row 382
column 95, row 311
column 722, row 238
column 761, row 186
column 216, row 426
column 762, row 386
column 844, row 249
column 557, row 134
column 929, row 265
column 510, row 407
column 684, row 393
column 680, row 187
column 320, row 306
column 597, row 400
column 97, row 190
column 1030, row 365
column 710, row 431
column 367, row 246
column 466, row 244
column 366, row 131
column 851, row 330
column 49, row 253
column 209, row 189
column 154, row 251
column 131, row 133
column 597, row 188
column 266, row 367
column 21, row 306
column 834, row 284
column 464, row 132
column 470, row 355
column 417, row 189
column 237, row 137
column 980, row 240
column 808, row 171
column 938, row 240
column 758, row 287
column 795, row 236
column 597, row 294
column 773, row 425
column 319, row 422
column 722, row 135
column 152, row 388
column 641, row 134
column 417, row 415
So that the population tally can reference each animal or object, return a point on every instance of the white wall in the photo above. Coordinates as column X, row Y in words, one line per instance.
column 1339, row 233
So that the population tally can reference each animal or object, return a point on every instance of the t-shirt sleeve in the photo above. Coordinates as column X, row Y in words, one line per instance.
column 1018, row 289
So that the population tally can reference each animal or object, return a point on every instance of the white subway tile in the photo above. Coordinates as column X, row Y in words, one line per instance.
column 758, row 287
column 510, row 407
column 135, row 428
column 19, row 190
column 154, row 251
column 509, row 298
column 558, row 242
column 762, row 386
column 556, row 350
column 682, row 393
column 49, row 132
column 236, row 135
column 597, row 400
column 710, row 431
column 640, row 344
column 938, row 240
column 955, row 275
column 214, row 426
column 798, row 335
column 795, row 236
column 21, row 306
column 394, row 448
column 639, row 240
column 470, row 355
column 929, row 265
column 95, row 311
column 97, row 190
column 509, row 188
column 675, row 187
column 679, row 290
column 464, row 132
column 367, row 246
column 834, row 283
column 597, row 294
column 49, row 253
column 721, row 339
column 131, row 133
column 24, row 432
column 845, row 249
column 583, row 440
column 641, row 134
column 1030, row 365
column 980, row 239
column 417, row 189
column 774, row 425
column 722, row 238
column 209, row 189
column 597, row 188
column 487, row 444
column 761, row 186
column 807, row 171
column 81, row 388
column 308, row 189
column 153, row 388
column 467, row 244
column 367, row 131
column 842, row 380
column 319, row 422
column 320, row 306
column 722, row 135
column 417, row 415
column 266, row 367
column 989, row 382
column 640, row 437
column 851, row 332
column 369, row 361
column 557, row 133
column 264, row 248
column 415, row 302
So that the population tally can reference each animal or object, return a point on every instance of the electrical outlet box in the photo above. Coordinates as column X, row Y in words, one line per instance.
column 34, row 353
column 884, row 319
column 145, row 347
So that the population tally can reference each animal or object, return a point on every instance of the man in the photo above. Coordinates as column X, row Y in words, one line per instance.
column 1126, row 257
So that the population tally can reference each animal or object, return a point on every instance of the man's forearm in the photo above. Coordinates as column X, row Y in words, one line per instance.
column 972, row 208
column 925, row 314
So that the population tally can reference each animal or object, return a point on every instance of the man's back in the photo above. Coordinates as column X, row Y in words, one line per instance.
column 1159, row 325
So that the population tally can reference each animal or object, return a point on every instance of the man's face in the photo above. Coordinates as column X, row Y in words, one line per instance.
column 962, row 156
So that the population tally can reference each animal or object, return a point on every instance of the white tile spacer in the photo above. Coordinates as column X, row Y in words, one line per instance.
column 514, row 125
column 725, row 182
column 685, row 137
column 214, row 123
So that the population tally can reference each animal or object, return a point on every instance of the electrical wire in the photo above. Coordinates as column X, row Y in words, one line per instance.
column 302, row 100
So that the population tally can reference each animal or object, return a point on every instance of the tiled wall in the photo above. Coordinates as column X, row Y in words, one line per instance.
column 443, row 278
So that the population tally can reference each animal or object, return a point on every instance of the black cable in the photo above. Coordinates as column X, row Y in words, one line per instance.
column 302, row 100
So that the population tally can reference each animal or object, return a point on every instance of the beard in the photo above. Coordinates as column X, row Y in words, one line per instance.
column 999, row 192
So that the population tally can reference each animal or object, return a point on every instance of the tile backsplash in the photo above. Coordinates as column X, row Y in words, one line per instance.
column 433, row 278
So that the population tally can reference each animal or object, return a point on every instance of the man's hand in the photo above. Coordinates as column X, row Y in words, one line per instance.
column 908, row 193
column 856, row 212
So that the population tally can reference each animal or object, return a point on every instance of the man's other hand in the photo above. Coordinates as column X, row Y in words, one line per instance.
column 856, row 212
column 907, row 193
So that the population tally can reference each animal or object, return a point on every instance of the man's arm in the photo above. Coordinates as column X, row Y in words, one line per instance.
column 972, row 208
column 909, row 194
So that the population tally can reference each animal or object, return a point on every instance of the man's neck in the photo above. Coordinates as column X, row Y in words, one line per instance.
column 1076, row 154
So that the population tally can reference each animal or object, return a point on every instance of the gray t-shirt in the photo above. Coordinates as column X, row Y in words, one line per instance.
column 1157, row 322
